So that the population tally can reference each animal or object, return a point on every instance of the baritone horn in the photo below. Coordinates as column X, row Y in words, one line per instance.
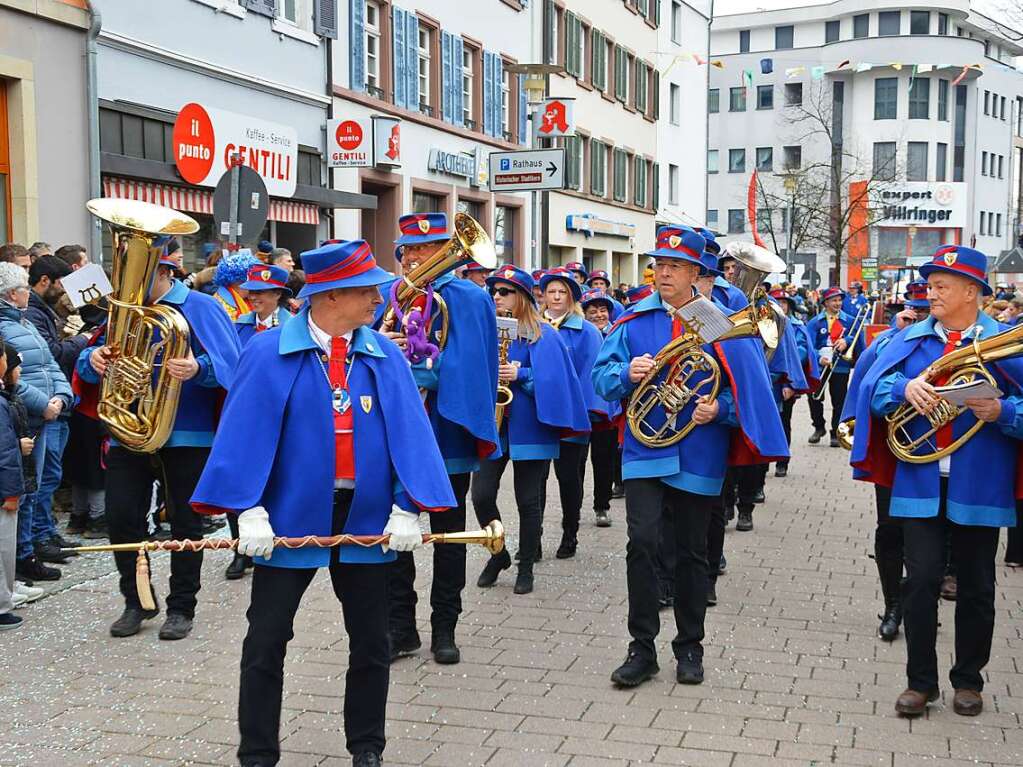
column 469, row 242
column 960, row 366
column 138, row 398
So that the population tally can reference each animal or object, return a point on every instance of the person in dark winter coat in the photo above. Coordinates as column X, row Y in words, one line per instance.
column 11, row 489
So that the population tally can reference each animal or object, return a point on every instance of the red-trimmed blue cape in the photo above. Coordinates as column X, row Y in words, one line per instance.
column 281, row 386
column 786, row 362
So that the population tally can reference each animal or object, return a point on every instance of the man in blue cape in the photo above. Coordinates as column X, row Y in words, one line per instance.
column 932, row 501
column 831, row 332
column 740, row 425
column 345, row 448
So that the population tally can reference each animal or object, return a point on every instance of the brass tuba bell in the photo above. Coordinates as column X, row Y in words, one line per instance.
column 138, row 399
column 753, row 264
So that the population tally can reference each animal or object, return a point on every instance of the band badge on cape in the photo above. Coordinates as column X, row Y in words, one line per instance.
column 674, row 241
column 367, row 403
column 424, row 227
column 950, row 258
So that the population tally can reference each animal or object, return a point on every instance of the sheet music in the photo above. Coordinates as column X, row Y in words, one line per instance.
column 87, row 285
column 702, row 317
column 826, row 353
column 958, row 394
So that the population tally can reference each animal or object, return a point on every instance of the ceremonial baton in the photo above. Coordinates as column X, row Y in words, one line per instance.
column 490, row 537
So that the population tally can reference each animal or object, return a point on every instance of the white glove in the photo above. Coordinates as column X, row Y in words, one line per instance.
column 404, row 529
column 255, row 536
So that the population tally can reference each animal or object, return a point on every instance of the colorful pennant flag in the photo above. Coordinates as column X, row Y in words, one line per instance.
column 896, row 65
column 961, row 75
column 794, row 71
column 817, row 73
column 766, row 66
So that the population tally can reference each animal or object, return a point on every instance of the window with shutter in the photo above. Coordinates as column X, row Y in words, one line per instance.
column 621, row 170
column 262, row 7
column 447, row 41
column 501, row 95
column 641, row 181
column 642, row 76
column 411, row 54
column 523, row 112
column 398, row 30
column 325, row 18
column 357, row 44
column 550, row 32
column 488, row 93
column 598, row 60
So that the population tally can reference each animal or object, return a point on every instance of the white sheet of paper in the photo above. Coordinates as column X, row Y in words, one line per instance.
column 826, row 353
column 979, row 389
column 702, row 316
column 87, row 285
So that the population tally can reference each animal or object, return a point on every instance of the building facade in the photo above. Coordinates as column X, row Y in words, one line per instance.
column 437, row 72
column 914, row 135
column 44, row 136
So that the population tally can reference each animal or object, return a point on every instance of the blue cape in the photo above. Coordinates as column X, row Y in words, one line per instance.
column 560, row 402
column 246, row 324
column 786, row 361
column 212, row 328
column 583, row 341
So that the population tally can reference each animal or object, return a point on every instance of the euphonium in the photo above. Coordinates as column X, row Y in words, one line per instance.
column 957, row 367
column 138, row 398
column 504, row 393
column 469, row 242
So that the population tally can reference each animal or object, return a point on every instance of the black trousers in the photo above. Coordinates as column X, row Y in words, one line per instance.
column 529, row 479
column 973, row 550
column 1014, row 544
column 448, row 572
column 276, row 592
column 645, row 501
column 569, row 468
column 838, row 384
column 129, row 489
column 740, row 486
column 786, row 423
column 603, row 451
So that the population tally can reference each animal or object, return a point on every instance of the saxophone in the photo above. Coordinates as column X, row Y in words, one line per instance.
column 138, row 398
column 504, row 392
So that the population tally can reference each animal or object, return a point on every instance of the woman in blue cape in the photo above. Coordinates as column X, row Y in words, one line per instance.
column 267, row 288
column 345, row 447
column 548, row 404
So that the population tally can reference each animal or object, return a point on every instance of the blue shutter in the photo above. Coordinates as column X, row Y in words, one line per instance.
column 325, row 18
column 523, row 112
column 446, row 97
column 488, row 93
column 457, row 52
column 412, row 60
column 398, row 31
column 498, row 96
column 357, row 38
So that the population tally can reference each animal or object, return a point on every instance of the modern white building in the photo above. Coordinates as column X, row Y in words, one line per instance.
column 437, row 72
column 682, row 127
column 920, row 105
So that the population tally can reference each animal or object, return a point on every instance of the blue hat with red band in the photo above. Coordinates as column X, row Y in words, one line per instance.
column 267, row 277
column 167, row 244
column 681, row 242
column 709, row 264
column 712, row 244
column 597, row 296
column 538, row 273
column 598, row 274
column 345, row 264
column 916, row 295
column 577, row 266
column 472, row 266
column 562, row 273
column 420, row 228
column 958, row 259
column 831, row 292
column 637, row 294
column 517, row 278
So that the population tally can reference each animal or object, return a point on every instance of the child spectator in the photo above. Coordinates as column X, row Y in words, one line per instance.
column 11, row 488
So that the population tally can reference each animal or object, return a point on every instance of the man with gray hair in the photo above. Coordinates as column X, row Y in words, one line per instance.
column 282, row 257
column 37, row 250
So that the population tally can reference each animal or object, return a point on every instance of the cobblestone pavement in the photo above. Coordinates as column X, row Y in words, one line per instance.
column 795, row 675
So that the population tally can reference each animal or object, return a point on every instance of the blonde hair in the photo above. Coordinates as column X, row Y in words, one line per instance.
column 528, row 315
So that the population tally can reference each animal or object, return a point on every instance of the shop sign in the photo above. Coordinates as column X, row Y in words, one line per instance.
column 452, row 163
column 205, row 139
column 349, row 143
column 590, row 225
column 919, row 203
column 386, row 141
column 555, row 117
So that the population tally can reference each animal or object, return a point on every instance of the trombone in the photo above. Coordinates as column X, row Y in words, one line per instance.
column 860, row 322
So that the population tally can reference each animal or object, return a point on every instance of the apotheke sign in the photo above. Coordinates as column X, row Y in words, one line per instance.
column 921, row 204
column 452, row 163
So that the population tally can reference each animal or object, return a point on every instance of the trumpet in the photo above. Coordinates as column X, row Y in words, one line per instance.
column 504, row 392
column 859, row 322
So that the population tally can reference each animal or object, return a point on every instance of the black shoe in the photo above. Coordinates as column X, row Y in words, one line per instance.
column 238, row 566
column 890, row 621
column 759, row 497
column 130, row 621
column 444, row 649
column 493, row 568
column 745, row 523
column 404, row 645
column 76, row 525
column 524, row 580
column 96, row 529
column 712, row 595
column 617, row 490
column 729, row 514
column 722, row 565
column 47, row 552
column 634, row 671
column 689, row 669
column 603, row 518
column 63, row 543
column 816, row 436
column 567, row 548
column 834, row 442
column 781, row 470
column 32, row 569
column 366, row 759
column 176, row 626
column 10, row 621
column 162, row 533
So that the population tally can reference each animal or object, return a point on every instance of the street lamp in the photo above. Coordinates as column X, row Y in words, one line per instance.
column 790, row 187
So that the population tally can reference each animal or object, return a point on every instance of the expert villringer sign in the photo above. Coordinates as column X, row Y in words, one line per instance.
column 205, row 139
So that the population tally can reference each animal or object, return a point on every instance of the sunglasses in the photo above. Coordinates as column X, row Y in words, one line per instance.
column 503, row 292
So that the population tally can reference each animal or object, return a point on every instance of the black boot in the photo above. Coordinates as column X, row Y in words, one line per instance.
column 889, row 569
column 524, row 580
column 745, row 523
column 781, row 469
column 443, row 647
column 816, row 436
column 566, row 550
column 493, row 568
column 238, row 566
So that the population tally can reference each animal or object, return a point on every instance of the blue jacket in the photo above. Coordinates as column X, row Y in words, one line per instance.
column 982, row 476
column 290, row 470
column 583, row 341
column 726, row 293
column 246, row 324
column 11, row 482
column 851, row 305
column 64, row 350
column 817, row 328
column 697, row 463
column 786, row 365
column 41, row 376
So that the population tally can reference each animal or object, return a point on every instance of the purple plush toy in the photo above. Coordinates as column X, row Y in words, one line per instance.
column 416, row 326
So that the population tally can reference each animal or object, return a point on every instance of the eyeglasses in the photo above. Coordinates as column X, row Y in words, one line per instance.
column 503, row 292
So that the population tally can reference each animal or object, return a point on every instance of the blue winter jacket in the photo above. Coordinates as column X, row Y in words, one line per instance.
column 11, row 482
column 41, row 376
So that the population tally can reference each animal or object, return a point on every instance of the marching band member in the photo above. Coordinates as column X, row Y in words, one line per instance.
column 461, row 412
column 231, row 272
column 808, row 360
column 604, row 456
column 929, row 498
column 578, row 271
column 476, row 273
column 208, row 368
column 684, row 477
column 634, row 295
column 598, row 279
column 561, row 295
column 726, row 270
column 855, row 299
column 537, row 292
column 831, row 328
column 548, row 401
column 267, row 288
column 339, row 399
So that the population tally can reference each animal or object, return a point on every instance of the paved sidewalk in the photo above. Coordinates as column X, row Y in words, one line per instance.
column 795, row 675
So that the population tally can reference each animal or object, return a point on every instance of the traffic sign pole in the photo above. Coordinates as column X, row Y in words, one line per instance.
column 236, row 161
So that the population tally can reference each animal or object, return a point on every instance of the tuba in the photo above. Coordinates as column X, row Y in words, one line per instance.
column 959, row 367
column 468, row 243
column 753, row 264
column 138, row 399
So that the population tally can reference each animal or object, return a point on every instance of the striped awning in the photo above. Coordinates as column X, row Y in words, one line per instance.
column 193, row 200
